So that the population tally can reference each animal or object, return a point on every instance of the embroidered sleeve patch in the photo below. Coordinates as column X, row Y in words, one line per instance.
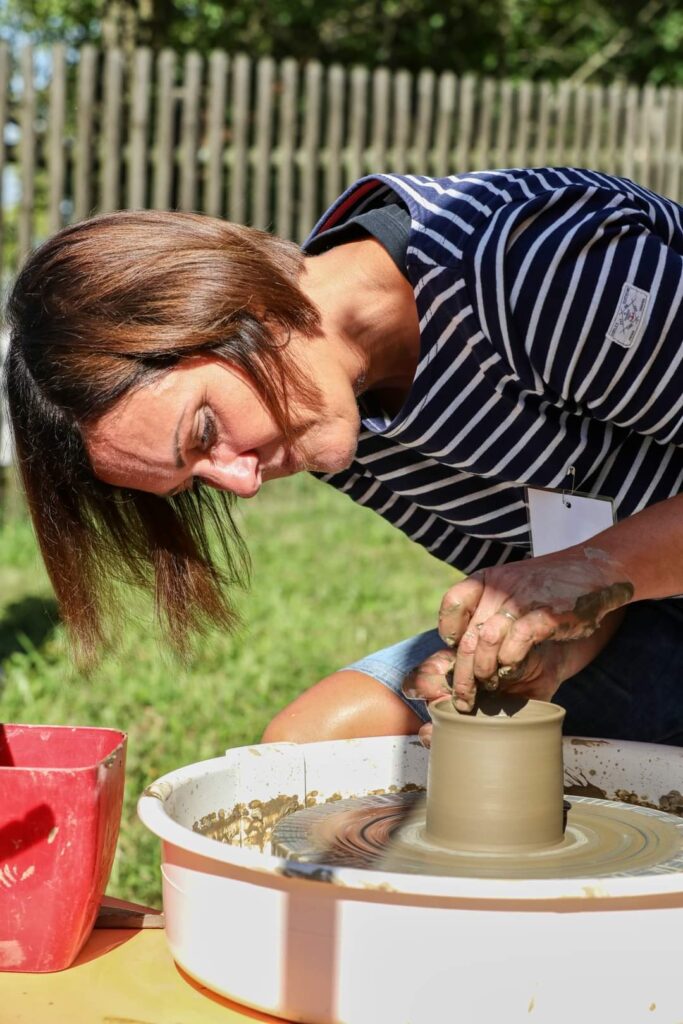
column 629, row 316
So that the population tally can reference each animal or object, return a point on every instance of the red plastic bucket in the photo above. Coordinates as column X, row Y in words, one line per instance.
column 61, row 791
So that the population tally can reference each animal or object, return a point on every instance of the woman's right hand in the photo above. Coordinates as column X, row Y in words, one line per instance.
column 538, row 677
column 496, row 618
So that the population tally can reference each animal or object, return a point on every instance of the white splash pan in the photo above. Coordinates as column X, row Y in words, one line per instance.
column 342, row 946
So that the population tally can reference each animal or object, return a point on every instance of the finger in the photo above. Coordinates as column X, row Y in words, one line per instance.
column 430, row 679
column 492, row 634
column 509, row 675
column 456, row 609
column 464, row 685
column 538, row 626
column 527, row 632
column 425, row 735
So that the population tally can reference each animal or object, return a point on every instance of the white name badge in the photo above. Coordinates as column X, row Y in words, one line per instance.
column 559, row 519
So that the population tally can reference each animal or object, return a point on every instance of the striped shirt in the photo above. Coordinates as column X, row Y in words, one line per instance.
column 550, row 304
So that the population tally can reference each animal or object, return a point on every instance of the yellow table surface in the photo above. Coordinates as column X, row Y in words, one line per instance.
column 121, row 977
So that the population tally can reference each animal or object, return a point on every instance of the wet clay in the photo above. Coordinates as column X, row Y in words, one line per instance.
column 387, row 834
column 590, row 608
column 495, row 776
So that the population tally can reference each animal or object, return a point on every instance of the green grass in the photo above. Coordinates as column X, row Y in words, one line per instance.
column 331, row 582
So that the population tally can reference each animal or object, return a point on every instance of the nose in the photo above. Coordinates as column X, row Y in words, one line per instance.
column 240, row 474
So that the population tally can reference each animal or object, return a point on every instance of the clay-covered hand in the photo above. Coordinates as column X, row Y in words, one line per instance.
column 538, row 676
column 495, row 619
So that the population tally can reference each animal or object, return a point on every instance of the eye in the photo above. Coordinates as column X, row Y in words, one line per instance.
column 207, row 427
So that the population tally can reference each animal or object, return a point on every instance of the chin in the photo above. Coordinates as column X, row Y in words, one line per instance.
column 333, row 459
column 335, row 462
column 327, row 462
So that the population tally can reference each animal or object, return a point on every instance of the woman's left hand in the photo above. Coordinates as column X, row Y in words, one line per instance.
column 496, row 619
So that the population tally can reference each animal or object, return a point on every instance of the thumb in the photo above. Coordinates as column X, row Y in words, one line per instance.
column 425, row 735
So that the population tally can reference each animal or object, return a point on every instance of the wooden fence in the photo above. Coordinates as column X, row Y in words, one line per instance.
column 271, row 144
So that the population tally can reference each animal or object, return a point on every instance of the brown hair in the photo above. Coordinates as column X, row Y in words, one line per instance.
column 103, row 307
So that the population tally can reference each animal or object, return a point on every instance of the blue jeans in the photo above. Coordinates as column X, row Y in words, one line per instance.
column 633, row 690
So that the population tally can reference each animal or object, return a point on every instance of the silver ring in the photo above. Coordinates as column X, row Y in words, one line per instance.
column 509, row 615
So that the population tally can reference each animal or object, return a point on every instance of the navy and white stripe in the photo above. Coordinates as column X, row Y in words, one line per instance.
column 517, row 275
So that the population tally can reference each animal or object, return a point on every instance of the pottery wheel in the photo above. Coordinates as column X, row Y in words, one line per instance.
column 386, row 833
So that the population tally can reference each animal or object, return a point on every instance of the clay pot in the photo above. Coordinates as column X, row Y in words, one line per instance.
column 495, row 775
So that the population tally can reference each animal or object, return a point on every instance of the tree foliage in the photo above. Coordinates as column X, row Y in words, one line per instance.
column 641, row 40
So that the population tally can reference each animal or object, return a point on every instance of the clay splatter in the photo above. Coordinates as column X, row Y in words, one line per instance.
column 247, row 824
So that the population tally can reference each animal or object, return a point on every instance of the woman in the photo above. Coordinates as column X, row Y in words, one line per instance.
column 444, row 345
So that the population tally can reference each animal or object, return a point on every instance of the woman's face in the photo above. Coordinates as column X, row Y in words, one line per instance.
column 203, row 420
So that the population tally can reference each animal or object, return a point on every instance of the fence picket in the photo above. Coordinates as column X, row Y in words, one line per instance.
column 398, row 161
column 524, row 123
column 356, row 129
column 164, row 150
column 597, row 101
column 562, row 103
column 644, row 135
column 27, row 121
column 483, row 156
column 614, row 125
column 139, row 128
column 189, row 131
column 87, row 81
column 215, row 132
column 544, row 102
column 465, row 123
column 672, row 185
column 265, row 80
column 286, row 148
column 628, row 162
column 310, row 144
column 55, row 139
column 445, row 109
column 419, row 158
column 380, row 119
column 333, row 163
column 110, row 149
column 579, row 143
column 505, row 100
column 238, row 151
column 662, row 128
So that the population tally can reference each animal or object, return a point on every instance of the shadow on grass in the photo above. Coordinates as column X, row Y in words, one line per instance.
column 31, row 618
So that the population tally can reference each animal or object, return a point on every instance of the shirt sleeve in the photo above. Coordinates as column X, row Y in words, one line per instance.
column 583, row 292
